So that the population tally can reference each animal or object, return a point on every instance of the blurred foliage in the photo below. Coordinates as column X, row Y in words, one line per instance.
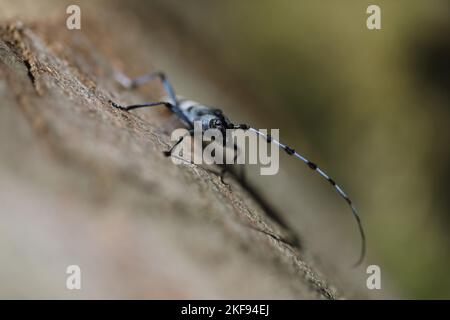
column 373, row 105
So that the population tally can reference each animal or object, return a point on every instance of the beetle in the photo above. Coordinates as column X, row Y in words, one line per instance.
column 189, row 111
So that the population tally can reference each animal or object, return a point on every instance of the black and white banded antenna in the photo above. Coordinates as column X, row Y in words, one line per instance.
column 215, row 119
column 314, row 167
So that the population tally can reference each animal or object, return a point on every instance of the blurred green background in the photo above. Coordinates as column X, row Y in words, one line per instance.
column 370, row 107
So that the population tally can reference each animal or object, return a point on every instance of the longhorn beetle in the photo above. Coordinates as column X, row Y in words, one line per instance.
column 189, row 112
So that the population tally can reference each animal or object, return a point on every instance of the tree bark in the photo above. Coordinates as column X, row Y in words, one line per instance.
column 82, row 183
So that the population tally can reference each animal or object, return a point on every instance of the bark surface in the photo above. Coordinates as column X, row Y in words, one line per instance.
column 83, row 183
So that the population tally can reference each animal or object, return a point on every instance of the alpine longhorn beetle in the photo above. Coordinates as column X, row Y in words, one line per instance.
column 190, row 111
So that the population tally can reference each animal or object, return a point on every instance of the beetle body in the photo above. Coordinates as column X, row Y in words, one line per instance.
column 190, row 112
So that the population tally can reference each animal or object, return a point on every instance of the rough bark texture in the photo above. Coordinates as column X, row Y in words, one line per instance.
column 83, row 183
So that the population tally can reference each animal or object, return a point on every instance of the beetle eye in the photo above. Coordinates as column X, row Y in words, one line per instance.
column 214, row 123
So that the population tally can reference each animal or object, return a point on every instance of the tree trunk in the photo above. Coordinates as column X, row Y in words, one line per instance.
column 82, row 183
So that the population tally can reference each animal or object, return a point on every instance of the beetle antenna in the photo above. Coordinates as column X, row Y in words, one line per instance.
column 314, row 167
